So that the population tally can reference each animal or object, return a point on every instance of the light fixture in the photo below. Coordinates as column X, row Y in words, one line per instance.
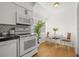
column 56, row 4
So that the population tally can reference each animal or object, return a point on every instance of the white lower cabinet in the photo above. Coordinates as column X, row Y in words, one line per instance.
column 8, row 48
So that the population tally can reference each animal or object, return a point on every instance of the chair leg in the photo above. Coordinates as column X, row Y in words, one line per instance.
column 60, row 43
column 64, row 45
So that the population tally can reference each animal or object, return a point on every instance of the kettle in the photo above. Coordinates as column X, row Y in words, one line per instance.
column 12, row 31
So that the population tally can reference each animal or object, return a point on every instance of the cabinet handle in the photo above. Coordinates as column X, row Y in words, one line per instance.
column 25, row 12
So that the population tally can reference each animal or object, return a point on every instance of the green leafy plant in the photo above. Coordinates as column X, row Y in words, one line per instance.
column 55, row 30
column 38, row 27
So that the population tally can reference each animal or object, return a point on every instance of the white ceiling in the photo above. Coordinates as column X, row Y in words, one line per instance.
column 44, row 8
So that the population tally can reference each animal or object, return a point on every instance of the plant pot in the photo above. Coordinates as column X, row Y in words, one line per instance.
column 38, row 38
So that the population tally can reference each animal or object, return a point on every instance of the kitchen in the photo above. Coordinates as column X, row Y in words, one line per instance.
column 16, row 37
column 20, row 24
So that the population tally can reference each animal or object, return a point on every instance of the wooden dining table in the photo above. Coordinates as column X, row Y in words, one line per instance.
column 50, row 49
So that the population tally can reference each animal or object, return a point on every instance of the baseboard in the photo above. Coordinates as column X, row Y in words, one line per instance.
column 77, row 55
column 35, row 55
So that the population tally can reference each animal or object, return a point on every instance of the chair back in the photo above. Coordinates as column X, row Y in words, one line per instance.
column 47, row 34
column 68, row 36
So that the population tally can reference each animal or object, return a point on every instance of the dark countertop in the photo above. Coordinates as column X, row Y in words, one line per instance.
column 12, row 37
column 8, row 37
column 26, row 35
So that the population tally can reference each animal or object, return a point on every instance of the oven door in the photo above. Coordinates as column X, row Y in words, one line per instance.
column 27, row 44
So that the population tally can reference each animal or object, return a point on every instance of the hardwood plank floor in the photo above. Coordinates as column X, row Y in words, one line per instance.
column 49, row 49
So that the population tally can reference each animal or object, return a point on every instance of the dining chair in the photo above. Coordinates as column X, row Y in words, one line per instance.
column 68, row 38
column 47, row 34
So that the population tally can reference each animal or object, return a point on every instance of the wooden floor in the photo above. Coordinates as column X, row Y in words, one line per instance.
column 49, row 49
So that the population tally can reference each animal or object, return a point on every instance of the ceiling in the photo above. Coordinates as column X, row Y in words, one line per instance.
column 44, row 8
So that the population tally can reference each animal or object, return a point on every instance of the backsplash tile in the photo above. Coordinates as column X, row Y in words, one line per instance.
column 5, row 28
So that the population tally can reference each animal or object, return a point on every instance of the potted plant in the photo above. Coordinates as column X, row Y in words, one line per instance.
column 37, row 28
column 55, row 30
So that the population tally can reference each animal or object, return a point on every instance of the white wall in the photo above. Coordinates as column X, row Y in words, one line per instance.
column 78, row 29
column 63, row 17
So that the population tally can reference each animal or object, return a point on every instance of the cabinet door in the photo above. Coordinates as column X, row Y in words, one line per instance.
column 20, row 10
column 23, row 15
column 27, row 5
column 8, row 49
column 7, row 13
column 30, row 14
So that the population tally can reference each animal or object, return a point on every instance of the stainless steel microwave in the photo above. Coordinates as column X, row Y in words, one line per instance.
column 23, row 19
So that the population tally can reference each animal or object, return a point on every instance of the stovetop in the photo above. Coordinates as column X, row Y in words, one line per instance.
column 26, row 34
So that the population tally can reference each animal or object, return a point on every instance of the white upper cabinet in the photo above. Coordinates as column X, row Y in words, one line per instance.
column 23, row 10
column 27, row 5
column 7, row 13
column 24, row 15
column 30, row 14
